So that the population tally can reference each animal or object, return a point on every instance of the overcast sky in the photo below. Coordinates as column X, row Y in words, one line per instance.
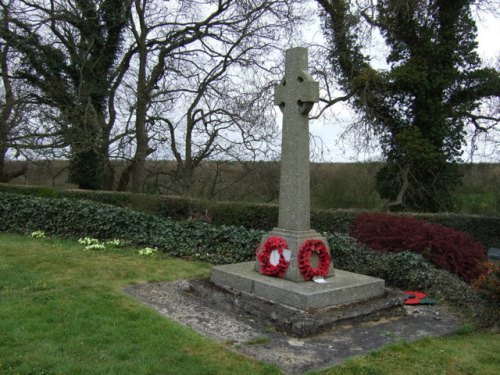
column 329, row 132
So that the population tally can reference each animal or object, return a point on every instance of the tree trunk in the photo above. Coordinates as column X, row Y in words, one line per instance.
column 125, row 178
column 185, row 174
column 3, row 151
column 398, row 202
column 141, row 136
column 139, row 161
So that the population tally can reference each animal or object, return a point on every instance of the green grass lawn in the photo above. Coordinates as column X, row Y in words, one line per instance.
column 62, row 311
column 465, row 354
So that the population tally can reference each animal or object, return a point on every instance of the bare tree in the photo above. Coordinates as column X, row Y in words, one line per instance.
column 198, row 81
column 483, row 127
column 188, row 80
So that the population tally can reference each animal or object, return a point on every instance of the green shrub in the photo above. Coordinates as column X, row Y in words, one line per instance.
column 78, row 218
column 348, row 254
column 39, row 191
column 225, row 244
column 120, row 199
column 333, row 220
column 410, row 271
column 257, row 216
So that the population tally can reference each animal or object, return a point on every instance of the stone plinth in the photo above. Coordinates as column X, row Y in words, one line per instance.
column 300, row 309
column 346, row 287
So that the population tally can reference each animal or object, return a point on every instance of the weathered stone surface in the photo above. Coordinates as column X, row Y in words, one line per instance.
column 298, row 322
column 252, row 337
column 345, row 287
column 297, row 307
column 295, row 96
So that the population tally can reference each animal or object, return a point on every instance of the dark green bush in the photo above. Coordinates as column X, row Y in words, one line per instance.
column 260, row 216
column 225, row 244
column 38, row 191
column 78, row 218
column 333, row 220
column 485, row 229
column 115, row 198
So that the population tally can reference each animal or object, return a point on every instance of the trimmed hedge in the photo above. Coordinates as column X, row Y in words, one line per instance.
column 485, row 229
column 227, row 244
column 78, row 218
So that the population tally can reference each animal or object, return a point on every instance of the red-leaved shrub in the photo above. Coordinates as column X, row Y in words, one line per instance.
column 447, row 248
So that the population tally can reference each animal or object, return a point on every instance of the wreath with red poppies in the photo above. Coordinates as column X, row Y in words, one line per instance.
column 307, row 249
column 273, row 243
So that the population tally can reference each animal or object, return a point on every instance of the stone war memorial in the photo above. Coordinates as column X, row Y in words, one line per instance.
column 292, row 283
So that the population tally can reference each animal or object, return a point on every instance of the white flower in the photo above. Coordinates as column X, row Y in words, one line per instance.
column 148, row 251
column 115, row 242
column 38, row 234
column 95, row 246
column 88, row 241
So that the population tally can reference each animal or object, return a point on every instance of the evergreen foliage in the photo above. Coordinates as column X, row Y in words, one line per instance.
column 71, row 63
column 77, row 218
column 252, row 215
column 410, row 271
column 420, row 106
column 228, row 244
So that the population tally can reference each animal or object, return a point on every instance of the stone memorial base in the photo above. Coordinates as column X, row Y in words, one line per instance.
column 300, row 309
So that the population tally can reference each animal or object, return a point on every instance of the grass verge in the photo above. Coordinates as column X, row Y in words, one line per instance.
column 62, row 312
column 462, row 354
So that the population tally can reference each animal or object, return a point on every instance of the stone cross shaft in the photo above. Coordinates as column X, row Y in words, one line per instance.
column 295, row 96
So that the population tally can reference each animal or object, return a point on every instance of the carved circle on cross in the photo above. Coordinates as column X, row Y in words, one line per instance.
column 303, row 91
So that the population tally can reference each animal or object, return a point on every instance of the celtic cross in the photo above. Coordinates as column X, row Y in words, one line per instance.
column 295, row 95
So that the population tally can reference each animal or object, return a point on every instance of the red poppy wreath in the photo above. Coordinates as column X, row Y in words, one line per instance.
column 267, row 267
column 304, row 259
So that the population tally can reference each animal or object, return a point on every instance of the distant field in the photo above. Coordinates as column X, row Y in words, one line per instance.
column 333, row 185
